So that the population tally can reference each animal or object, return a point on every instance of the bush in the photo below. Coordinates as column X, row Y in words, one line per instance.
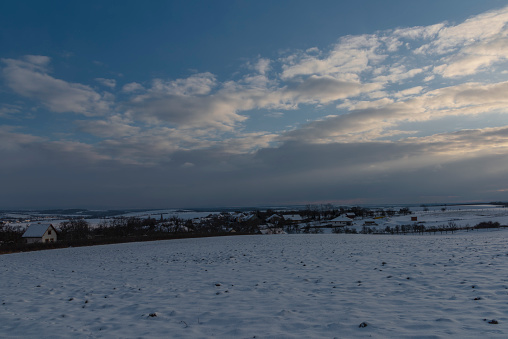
column 487, row 224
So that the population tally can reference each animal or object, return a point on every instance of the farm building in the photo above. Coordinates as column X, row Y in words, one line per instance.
column 40, row 233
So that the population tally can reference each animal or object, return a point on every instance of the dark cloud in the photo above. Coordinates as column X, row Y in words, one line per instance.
column 74, row 175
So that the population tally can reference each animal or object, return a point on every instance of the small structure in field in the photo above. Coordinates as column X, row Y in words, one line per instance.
column 40, row 233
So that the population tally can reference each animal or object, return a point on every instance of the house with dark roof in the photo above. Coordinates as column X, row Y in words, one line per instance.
column 40, row 233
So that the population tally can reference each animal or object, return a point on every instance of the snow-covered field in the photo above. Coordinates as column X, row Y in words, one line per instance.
column 462, row 216
column 281, row 286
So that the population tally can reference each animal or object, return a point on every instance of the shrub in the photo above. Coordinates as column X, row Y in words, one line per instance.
column 487, row 224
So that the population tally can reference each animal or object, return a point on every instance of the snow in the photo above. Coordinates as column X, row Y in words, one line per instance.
column 272, row 286
column 461, row 216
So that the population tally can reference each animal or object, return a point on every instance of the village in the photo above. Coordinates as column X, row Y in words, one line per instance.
column 18, row 229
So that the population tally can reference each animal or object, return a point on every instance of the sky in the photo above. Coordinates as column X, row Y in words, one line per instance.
column 160, row 104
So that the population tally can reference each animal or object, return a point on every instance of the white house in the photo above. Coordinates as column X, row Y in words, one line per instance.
column 341, row 221
column 40, row 233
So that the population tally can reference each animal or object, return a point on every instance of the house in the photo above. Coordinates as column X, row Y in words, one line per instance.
column 369, row 222
column 350, row 215
column 274, row 219
column 40, row 233
column 341, row 221
column 271, row 229
column 295, row 218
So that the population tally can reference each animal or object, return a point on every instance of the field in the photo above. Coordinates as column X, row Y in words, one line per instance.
column 281, row 286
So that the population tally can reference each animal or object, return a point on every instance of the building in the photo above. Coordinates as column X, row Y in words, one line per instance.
column 40, row 233
column 369, row 222
column 341, row 221
column 351, row 215
column 294, row 218
column 274, row 219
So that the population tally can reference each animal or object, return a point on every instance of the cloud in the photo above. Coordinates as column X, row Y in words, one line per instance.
column 8, row 110
column 467, row 48
column 419, row 32
column 111, row 83
column 275, row 114
column 212, row 111
column 13, row 142
column 474, row 58
column 322, row 89
column 464, row 99
column 262, row 66
column 188, row 165
column 188, row 103
column 374, row 120
column 372, row 105
column 114, row 127
column 481, row 27
column 247, row 142
column 467, row 143
column 196, row 84
column 197, row 101
column 409, row 92
column 153, row 146
column 290, row 173
column 29, row 78
column 350, row 56
column 357, row 126
column 398, row 73
column 28, row 151
column 132, row 87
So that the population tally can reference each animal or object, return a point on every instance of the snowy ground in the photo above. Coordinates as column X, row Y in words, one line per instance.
column 460, row 215
column 281, row 286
